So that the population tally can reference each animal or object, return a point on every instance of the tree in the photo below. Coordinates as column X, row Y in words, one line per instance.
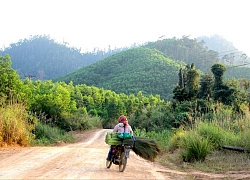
column 218, row 70
column 189, row 79
column 192, row 82
column 51, row 98
column 206, row 83
column 10, row 83
column 221, row 92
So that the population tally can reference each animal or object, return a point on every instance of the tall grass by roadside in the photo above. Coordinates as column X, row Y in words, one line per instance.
column 18, row 127
column 194, row 147
column 230, row 129
column 214, row 133
column 208, row 134
column 201, row 144
column 15, row 125
column 175, row 139
column 47, row 135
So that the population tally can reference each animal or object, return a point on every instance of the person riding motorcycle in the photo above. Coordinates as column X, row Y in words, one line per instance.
column 121, row 127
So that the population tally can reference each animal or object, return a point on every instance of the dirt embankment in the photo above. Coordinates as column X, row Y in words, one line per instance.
column 84, row 160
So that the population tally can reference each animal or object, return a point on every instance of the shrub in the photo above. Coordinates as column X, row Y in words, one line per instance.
column 46, row 135
column 244, row 137
column 15, row 125
column 72, row 122
column 174, row 141
column 213, row 133
column 94, row 122
column 194, row 147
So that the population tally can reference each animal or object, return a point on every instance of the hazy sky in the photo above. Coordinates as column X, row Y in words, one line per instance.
column 87, row 24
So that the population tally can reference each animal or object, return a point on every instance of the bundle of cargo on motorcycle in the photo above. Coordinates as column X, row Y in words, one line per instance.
column 144, row 147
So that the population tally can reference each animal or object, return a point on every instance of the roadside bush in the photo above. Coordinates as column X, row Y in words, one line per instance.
column 15, row 125
column 174, row 141
column 94, row 122
column 71, row 122
column 194, row 147
column 244, row 137
column 213, row 133
column 46, row 135
column 232, row 139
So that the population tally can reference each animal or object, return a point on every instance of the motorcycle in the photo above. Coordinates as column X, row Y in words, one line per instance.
column 119, row 156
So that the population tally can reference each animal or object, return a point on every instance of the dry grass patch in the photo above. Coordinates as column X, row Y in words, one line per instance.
column 216, row 162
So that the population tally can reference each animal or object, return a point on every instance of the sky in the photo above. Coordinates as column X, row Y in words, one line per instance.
column 89, row 24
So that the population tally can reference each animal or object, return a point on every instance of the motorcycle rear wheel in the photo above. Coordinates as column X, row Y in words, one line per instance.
column 123, row 162
column 108, row 163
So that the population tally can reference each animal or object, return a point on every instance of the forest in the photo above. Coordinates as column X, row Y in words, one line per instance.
column 131, row 71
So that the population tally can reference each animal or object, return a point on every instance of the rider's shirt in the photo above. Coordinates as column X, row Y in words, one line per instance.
column 120, row 129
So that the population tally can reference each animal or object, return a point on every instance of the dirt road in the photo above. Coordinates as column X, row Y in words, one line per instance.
column 86, row 160
column 82, row 160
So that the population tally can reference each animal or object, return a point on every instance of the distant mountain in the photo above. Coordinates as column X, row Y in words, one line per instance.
column 186, row 50
column 217, row 43
column 138, row 69
column 227, row 52
column 42, row 58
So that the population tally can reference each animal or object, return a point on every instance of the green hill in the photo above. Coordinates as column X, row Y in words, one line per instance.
column 42, row 58
column 131, row 71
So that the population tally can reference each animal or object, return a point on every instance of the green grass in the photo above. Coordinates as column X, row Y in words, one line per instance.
column 194, row 147
column 200, row 146
column 47, row 135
